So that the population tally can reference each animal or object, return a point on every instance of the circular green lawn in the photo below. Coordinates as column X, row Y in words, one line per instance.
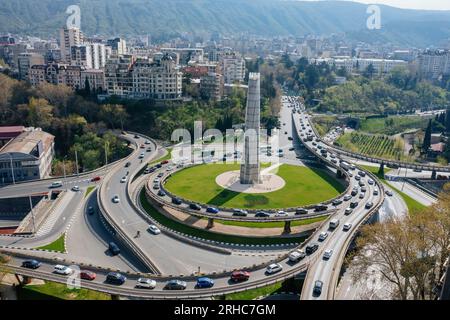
column 304, row 186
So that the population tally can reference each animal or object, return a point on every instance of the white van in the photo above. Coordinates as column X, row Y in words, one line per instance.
column 334, row 223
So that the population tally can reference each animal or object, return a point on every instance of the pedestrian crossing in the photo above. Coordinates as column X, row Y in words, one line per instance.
column 49, row 223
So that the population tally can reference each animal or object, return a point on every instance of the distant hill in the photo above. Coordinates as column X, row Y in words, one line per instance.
column 262, row 17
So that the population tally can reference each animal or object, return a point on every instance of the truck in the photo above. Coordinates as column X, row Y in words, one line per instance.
column 334, row 223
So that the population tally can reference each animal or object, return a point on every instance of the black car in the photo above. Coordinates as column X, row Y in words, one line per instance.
column 320, row 208
column 311, row 248
column 127, row 164
column 175, row 285
column 301, row 211
column 177, row 201
column 195, row 206
column 161, row 193
column 369, row 205
column 317, row 288
column 353, row 205
column 262, row 214
column 115, row 278
column 136, row 136
column 354, row 192
column 31, row 264
column 114, row 249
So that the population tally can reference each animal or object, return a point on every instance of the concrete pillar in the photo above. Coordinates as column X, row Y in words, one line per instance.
column 250, row 168
column 433, row 175
column 339, row 174
column 210, row 223
column 287, row 227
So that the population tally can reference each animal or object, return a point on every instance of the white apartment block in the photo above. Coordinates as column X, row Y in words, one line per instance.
column 161, row 81
column 89, row 55
column 433, row 64
column 68, row 38
column 233, row 68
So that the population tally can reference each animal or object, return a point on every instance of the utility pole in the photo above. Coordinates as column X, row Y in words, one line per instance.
column 404, row 180
column 64, row 168
column 106, row 154
column 32, row 215
column 12, row 169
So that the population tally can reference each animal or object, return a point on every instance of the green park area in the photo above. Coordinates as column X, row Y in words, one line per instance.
column 58, row 291
column 304, row 186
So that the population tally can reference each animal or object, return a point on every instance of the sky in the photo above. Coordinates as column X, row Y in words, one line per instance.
column 410, row 4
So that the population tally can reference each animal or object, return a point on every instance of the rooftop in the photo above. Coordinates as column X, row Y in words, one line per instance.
column 27, row 141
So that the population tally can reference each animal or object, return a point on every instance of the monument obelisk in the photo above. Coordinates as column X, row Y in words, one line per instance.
column 250, row 168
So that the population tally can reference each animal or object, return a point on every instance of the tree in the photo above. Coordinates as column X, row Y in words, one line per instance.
column 427, row 138
column 37, row 113
column 369, row 72
column 381, row 171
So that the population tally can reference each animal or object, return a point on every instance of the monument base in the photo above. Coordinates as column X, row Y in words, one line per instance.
column 231, row 181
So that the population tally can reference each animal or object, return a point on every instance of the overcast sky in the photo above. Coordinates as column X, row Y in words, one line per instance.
column 410, row 4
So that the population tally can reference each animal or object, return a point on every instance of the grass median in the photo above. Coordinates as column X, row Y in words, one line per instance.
column 57, row 291
column 271, row 224
column 304, row 186
column 204, row 234
column 57, row 245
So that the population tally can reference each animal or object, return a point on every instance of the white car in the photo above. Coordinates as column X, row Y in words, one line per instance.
column 116, row 199
column 56, row 184
column 154, row 229
column 296, row 255
column 348, row 211
column 147, row 141
column 370, row 181
column 142, row 155
column 274, row 268
column 123, row 180
column 76, row 188
column 281, row 214
column 323, row 236
column 327, row 254
column 348, row 197
column 60, row 269
column 389, row 193
column 375, row 192
column 347, row 226
column 144, row 283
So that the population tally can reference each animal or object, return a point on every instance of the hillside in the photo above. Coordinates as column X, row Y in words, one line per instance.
column 262, row 17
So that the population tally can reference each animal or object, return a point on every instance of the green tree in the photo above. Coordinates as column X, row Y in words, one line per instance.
column 369, row 72
column 427, row 138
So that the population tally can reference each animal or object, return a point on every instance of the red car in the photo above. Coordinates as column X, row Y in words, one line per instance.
column 87, row 275
column 240, row 276
column 142, row 146
column 165, row 162
column 95, row 179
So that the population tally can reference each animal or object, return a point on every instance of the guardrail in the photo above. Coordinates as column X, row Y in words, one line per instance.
column 121, row 235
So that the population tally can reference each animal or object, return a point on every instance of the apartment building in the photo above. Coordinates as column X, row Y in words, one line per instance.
column 434, row 63
column 57, row 74
column 27, row 60
column 69, row 37
column 233, row 67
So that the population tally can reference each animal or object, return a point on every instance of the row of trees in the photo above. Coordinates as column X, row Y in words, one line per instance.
column 409, row 254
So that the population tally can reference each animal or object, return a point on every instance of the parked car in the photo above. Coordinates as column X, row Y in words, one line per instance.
column 87, row 275
column 274, row 268
column 114, row 248
column 175, row 285
column 145, row 283
column 31, row 264
column 240, row 275
column 64, row 270
column 115, row 278
column 154, row 229
column 204, row 282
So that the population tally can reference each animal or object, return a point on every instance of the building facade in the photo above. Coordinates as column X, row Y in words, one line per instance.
column 57, row 74
column 28, row 156
column 69, row 37
column 26, row 61
column 433, row 64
